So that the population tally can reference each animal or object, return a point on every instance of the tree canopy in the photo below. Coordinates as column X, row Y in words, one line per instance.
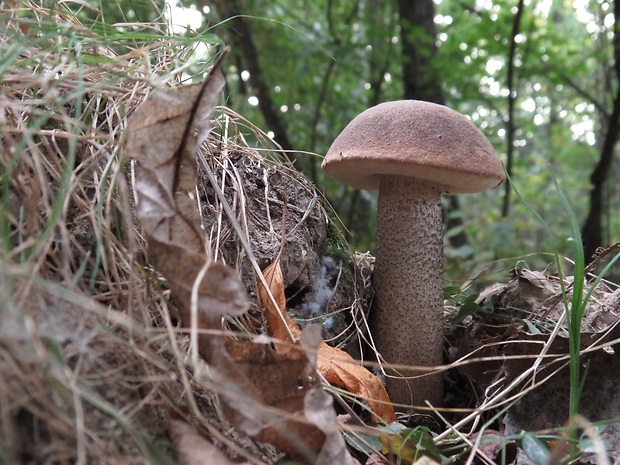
column 539, row 78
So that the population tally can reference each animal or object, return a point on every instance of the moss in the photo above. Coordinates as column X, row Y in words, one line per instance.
column 335, row 244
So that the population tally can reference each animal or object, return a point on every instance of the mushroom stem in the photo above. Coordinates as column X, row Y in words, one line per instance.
column 407, row 311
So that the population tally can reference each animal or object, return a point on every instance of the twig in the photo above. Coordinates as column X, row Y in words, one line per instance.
column 242, row 238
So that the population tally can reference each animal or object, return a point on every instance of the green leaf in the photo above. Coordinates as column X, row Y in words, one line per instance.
column 588, row 445
column 450, row 292
column 535, row 449
column 369, row 443
column 468, row 308
column 531, row 327
column 411, row 444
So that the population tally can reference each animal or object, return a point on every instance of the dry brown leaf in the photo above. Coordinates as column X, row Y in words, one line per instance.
column 337, row 366
column 536, row 278
column 164, row 134
column 193, row 449
column 273, row 397
column 277, row 318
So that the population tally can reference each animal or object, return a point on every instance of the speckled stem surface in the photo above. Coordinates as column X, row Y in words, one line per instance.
column 408, row 279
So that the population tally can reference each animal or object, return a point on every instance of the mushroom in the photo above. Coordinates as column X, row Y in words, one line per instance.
column 412, row 152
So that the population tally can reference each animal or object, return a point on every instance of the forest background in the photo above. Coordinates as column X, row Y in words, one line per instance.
column 83, row 306
column 540, row 78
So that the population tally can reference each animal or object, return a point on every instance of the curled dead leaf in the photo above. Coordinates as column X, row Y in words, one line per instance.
column 537, row 279
column 274, row 396
column 163, row 136
column 280, row 324
column 337, row 366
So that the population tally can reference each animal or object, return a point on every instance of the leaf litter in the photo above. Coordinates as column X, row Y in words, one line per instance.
column 516, row 353
column 61, row 326
column 270, row 394
column 337, row 366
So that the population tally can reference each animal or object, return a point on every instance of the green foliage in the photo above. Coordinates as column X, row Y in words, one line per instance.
column 466, row 302
column 576, row 307
column 535, row 448
column 408, row 445
column 327, row 61
column 411, row 444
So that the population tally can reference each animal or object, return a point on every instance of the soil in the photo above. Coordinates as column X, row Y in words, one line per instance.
column 323, row 282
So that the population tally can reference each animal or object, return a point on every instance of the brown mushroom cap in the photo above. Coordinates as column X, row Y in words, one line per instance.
column 417, row 139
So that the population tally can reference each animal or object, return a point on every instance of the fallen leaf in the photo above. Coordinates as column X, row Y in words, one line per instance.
column 337, row 366
column 537, row 279
column 164, row 133
column 274, row 396
column 275, row 309
column 599, row 394
column 318, row 408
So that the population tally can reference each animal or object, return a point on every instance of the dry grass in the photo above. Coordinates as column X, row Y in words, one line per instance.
column 92, row 365
column 77, row 377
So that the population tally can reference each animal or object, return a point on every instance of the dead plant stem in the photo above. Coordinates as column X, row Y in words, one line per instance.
column 516, row 382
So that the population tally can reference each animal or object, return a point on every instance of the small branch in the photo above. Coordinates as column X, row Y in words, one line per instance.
column 600, row 107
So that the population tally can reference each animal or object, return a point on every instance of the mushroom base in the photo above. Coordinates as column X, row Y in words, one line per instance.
column 408, row 279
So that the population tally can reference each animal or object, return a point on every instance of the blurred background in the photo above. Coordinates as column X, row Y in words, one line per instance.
column 540, row 78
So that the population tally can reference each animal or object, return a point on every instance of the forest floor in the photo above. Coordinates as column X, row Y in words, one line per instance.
column 120, row 260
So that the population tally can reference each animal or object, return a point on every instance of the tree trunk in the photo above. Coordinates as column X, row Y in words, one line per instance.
column 418, row 48
column 592, row 231
column 241, row 40
column 512, row 96
column 418, row 35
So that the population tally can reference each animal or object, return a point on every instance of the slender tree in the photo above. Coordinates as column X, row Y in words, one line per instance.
column 418, row 36
column 512, row 97
column 592, row 230
column 420, row 77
